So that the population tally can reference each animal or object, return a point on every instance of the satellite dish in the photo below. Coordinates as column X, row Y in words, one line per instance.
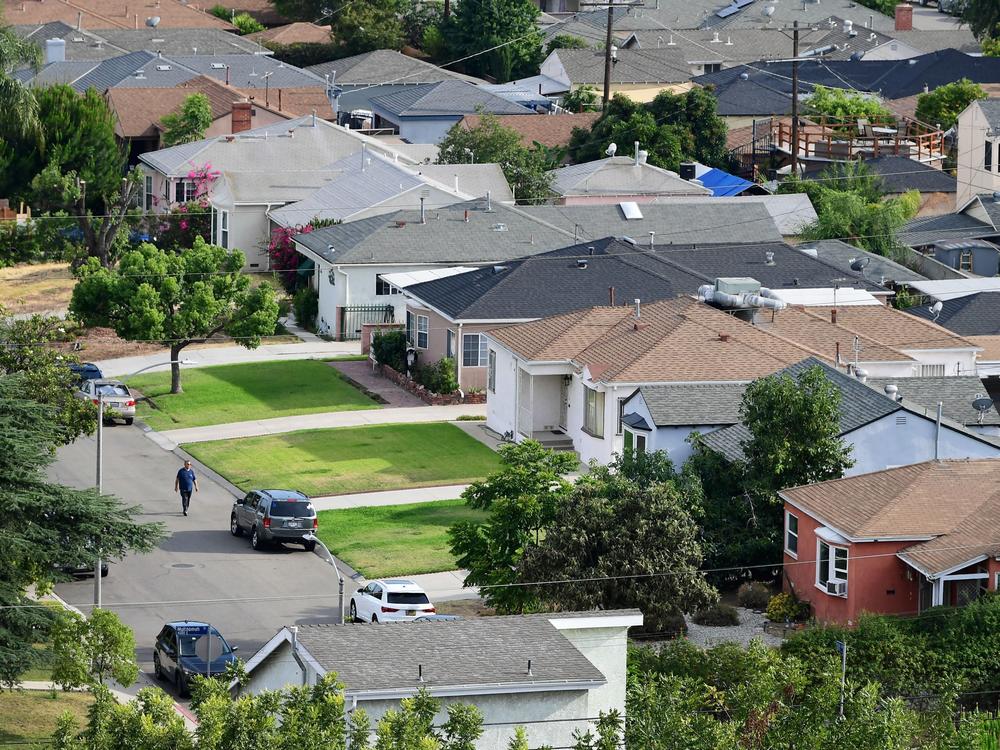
column 859, row 264
column 981, row 404
column 153, row 21
column 612, row 149
column 935, row 309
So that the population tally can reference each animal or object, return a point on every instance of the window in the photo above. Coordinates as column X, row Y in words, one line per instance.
column 474, row 350
column 187, row 191
column 148, row 193
column 410, row 326
column 792, row 534
column 449, row 349
column 491, row 374
column 988, row 156
column 593, row 415
column 634, row 441
column 831, row 564
column 224, row 229
column 621, row 415
column 927, row 371
column 422, row 331
column 965, row 260
column 712, row 67
column 383, row 287
column 640, row 443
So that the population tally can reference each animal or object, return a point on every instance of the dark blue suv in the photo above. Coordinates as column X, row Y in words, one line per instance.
column 187, row 648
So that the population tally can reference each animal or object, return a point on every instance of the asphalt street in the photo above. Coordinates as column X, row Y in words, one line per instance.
column 199, row 571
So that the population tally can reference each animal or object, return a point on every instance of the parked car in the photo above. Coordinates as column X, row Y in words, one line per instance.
column 82, row 571
column 275, row 516
column 85, row 371
column 392, row 599
column 118, row 400
column 187, row 648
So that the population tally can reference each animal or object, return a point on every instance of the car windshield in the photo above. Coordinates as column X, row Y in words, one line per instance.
column 203, row 644
column 291, row 509
column 112, row 390
column 408, row 597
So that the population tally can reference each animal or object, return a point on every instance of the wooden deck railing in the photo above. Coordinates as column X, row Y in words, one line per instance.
column 841, row 140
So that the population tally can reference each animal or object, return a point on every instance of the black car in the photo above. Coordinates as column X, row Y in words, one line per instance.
column 82, row 571
column 187, row 648
column 275, row 516
column 85, row 371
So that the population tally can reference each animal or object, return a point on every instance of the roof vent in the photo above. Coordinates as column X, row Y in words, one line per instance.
column 996, row 197
column 744, row 76
column 768, row 258
column 581, row 262
column 715, row 38
column 500, row 269
column 499, row 227
column 218, row 66
column 163, row 68
column 724, row 337
column 891, row 391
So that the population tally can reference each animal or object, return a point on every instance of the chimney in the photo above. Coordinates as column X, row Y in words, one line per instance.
column 833, row 316
column 55, row 50
column 611, row 296
column 904, row 17
column 241, row 117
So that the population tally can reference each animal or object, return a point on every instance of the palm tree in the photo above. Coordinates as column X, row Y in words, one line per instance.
column 19, row 114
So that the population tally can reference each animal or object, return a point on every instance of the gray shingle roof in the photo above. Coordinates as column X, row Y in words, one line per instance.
column 991, row 109
column 973, row 315
column 385, row 66
column 104, row 74
column 840, row 254
column 248, row 71
column 955, row 393
column 925, row 230
column 173, row 42
column 664, row 65
column 900, row 174
column 618, row 175
column 859, row 405
column 683, row 404
column 446, row 98
column 486, row 651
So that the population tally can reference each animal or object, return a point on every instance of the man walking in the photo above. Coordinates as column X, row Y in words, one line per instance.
column 185, row 483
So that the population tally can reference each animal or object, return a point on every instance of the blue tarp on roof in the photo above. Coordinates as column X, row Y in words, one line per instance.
column 723, row 184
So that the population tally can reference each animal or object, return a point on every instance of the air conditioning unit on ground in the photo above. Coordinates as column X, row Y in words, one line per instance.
column 837, row 588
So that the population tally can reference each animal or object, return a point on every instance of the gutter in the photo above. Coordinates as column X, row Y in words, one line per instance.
column 495, row 688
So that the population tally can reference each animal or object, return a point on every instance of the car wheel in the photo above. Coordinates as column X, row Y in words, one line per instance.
column 157, row 669
column 129, row 420
column 105, row 571
column 181, row 684
column 310, row 546
column 255, row 540
column 374, row 618
column 354, row 611
column 234, row 526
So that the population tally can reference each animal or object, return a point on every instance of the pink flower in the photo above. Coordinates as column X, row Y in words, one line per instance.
column 184, row 224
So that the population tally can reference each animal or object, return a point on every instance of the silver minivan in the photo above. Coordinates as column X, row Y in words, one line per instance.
column 274, row 516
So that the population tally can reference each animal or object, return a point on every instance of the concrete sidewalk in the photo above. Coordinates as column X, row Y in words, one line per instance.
column 441, row 587
column 389, row 497
column 230, row 355
column 170, row 439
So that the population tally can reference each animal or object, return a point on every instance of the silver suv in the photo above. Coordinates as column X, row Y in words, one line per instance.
column 274, row 516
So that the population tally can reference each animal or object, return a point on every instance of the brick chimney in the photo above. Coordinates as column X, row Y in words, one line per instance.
column 241, row 117
column 904, row 17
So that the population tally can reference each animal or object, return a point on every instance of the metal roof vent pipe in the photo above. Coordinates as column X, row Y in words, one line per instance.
column 420, row 673
column 652, row 240
column 489, row 201
column 638, row 309
column 423, row 215
column 860, row 374
column 833, row 316
column 891, row 391
column 637, row 153
column 581, row 263
column 769, row 258
column 611, row 296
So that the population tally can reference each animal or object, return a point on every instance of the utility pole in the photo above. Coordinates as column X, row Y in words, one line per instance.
column 608, row 62
column 795, row 99
column 100, row 490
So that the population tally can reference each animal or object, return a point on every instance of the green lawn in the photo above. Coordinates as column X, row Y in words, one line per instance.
column 31, row 715
column 395, row 540
column 237, row 393
column 350, row 459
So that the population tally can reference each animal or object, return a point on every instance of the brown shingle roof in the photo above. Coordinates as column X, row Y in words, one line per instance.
column 109, row 14
column 957, row 502
column 816, row 331
column 894, row 328
column 990, row 345
column 294, row 33
column 295, row 102
column 549, row 130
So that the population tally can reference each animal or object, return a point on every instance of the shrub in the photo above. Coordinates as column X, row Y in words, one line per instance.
column 247, row 24
column 784, row 607
column 389, row 348
column 718, row 615
column 221, row 11
column 439, row 377
column 306, row 306
column 754, row 595
column 304, row 54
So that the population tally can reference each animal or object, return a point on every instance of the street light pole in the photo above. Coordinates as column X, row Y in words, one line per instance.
column 328, row 558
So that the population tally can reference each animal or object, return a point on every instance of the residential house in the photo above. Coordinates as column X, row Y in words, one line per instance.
column 898, row 541
column 110, row 14
column 551, row 131
column 253, row 72
column 142, row 69
column 618, row 178
column 351, row 258
column 791, row 212
column 641, row 74
column 297, row 32
column 881, row 430
column 959, row 397
column 425, row 113
column 844, row 256
column 551, row 674
column 974, row 314
column 978, row 157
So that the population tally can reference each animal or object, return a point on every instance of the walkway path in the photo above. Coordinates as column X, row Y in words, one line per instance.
column 390, row 497
column 229, row 355
column 170, row 439
column 360, row 372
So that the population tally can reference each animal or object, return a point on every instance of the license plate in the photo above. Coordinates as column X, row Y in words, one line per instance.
column 411, row 612
column 293, row 524
column 115, row 403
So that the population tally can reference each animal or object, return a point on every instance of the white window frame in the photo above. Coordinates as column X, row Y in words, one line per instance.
column 491, row 372
column 449, row 348
column 147, row 185
column 223, row 228
column 593, row 400
column 423, row 331
column 481, row 358
column 789, row 534
column 832, row 567
column 639, row 440
column 411, row 327
column 183, row 187
column 380, row 282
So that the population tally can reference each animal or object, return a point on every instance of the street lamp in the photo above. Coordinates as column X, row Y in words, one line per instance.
column 328, row 558
column 100, row 458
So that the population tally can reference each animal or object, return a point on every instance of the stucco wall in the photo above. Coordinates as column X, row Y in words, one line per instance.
column 972, row 177
column 426, row 130
column 437, row 343
column 501, row 411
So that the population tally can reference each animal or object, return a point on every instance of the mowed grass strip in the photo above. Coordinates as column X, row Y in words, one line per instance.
column 394, row 540
column 350, row 459
column 32, row 715
column 239, row 393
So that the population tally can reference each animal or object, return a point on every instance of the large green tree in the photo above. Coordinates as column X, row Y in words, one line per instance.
column 489, row 142
column 19, row 113
column 92, row 650
column 615, row 535
column 179, row 298
column 46, row 525
column 842, row 104
column 983, row 18
column 942, row 106
column 189, row 122
column 496, row 38
column 521, row 499
column 371, row 25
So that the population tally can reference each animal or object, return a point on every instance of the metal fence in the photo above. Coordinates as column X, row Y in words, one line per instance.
column 354, row 316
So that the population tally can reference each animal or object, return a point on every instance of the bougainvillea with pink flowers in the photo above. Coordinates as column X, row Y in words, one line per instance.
column 284, row 257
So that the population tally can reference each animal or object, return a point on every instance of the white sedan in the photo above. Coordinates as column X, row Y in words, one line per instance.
column 392, row 599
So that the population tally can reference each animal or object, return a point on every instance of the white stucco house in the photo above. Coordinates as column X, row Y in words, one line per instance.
column 551, row 674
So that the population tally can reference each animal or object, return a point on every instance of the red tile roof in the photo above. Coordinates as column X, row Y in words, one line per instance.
column 294, row 33
column 110, row 14
column 549, row 130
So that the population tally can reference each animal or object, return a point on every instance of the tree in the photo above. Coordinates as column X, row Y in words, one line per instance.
column 189, row 123
column 521, row 499
column 581, row 98
column 611, row 539
column 366, row 26
column 45, row 525
column 842, row 104
column 89, row 651
column 983, row 18
column 489, row 142
column 942, row 106
column 505, row 30
column 179, row 298
column 44, row 372
column 565, row 41
column 19, row 114
column 246, row 24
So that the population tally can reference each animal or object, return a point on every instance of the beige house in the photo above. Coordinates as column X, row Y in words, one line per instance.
column 978, row 155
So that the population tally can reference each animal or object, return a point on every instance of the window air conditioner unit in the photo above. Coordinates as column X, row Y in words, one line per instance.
column 837, row 588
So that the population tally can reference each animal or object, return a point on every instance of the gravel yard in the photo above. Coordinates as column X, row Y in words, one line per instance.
column 751, row 626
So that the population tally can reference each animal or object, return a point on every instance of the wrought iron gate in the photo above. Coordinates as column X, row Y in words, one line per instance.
column 355, row 316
